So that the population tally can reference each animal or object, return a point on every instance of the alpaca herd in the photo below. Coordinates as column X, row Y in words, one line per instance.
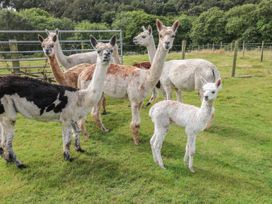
column 90, row 76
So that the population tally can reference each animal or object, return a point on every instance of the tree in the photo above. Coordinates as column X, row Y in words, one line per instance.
column 209, row 27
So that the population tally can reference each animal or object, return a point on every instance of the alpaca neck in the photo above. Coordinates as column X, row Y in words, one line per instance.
column 156, row 66
column 94, row 91
column 115, row 55
column 205, row 111
column 62, row 59
column 151, row 49
column 57, row 72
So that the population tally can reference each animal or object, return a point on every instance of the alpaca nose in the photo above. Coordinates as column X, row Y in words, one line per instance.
column 167, row 45
column 47, row 51
column 206, row 98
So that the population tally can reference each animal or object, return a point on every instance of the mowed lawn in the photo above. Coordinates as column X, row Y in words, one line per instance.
column 233, row 160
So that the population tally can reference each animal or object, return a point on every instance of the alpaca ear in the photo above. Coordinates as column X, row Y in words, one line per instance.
column 149, row 28
column 159, row 25
column 175, row 25
column 93, row 41
column 47, row 32
column 113, row 41
column 54, row 38
column 218, row 83
column 144, row 29
column 40, row 38
column 57, row 31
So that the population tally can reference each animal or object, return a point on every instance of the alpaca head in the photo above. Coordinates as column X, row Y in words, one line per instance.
column 49, row 42
column 210, row 90
column 167, row 34
column 144, row 38
column 104, row 50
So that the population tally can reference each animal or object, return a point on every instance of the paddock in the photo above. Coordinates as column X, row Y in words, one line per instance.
column 232, row 163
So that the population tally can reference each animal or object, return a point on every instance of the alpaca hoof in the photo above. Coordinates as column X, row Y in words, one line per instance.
column 67, row 156
column 136, row 142
column 1, row 151
column 162, row 166
column 105, row 130
column 78, row 149
column 8, row 157
column 192, row 170
column 20, row 165
column 148, row 104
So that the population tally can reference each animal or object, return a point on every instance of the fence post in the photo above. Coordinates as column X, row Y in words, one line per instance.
column 213, row 47
column 183, row 47
column 198, row 48
column 234, row 58
column 221, row 45
column 82, row 46
column 14, row 55
column 243, row 48
column 262, row 50
column 231, row 46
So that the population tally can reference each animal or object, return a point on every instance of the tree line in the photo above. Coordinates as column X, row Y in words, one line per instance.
column 202, row 22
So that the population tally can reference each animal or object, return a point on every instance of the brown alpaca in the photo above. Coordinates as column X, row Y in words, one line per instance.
column 123, row 81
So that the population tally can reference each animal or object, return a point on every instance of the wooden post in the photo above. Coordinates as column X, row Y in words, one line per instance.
column 183, row 47
column 234, row 59
column 198, row 48
column 82, row 46
column 243, row 48
column 14, row 55
column 213, row 47
column 221, row 45
column 208, row 46
column 231, row 46
column 262, row 50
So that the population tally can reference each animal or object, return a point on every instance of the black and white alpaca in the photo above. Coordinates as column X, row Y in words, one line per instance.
column 39, row 100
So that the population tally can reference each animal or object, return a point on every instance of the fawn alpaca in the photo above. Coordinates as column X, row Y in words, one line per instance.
column 130, row 82
column 49, row 102
column 193, row 119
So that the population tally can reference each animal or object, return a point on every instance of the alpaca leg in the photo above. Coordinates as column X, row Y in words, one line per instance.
column 2, row 140
column 104, row 104
column 178, row 94
column 186, row 155
column 66, row 139
column 76, row 131
column 157, row 145
column 153, row 97
column 9, row 155
column 192, row 148
column 135, row 123
column 97, row 118
column 168, row 91
column 82, row 127
column 152, row 141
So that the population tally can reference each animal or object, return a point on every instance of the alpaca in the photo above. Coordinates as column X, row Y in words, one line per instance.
column 70, row 61
column 193, row 119
column 66, row 78
column 50, row 102
column 123, row 81
column 182, row 75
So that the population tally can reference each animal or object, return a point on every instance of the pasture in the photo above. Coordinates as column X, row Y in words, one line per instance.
column 233, row 159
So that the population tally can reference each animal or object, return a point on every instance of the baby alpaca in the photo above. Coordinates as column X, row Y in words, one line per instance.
column 193, row 119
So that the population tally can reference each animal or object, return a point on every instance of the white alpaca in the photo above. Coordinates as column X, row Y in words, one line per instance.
column 182, row 75
column 192, row 118
column 70, row 61
column 38, row 100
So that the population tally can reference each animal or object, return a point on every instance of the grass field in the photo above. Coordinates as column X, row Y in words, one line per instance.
column 233, row 160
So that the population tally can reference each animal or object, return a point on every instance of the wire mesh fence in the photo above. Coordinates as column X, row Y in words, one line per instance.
column 21, row 52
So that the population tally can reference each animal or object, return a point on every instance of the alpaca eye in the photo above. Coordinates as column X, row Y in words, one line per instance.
column 213, row 92
column 160, row 35
column 51, row 46
column 111, row 51
column 173, row 36
column 99, row 51
column 143, row 36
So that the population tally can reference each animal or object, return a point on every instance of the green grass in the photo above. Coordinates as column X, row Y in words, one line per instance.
column 232, row 162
